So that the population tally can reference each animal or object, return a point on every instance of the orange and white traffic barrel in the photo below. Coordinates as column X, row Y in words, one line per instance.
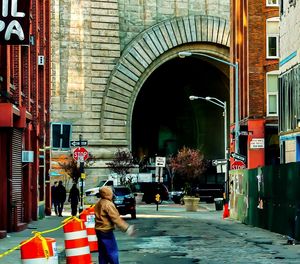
column 88, row 217
column 39, row 250
column 76, row 242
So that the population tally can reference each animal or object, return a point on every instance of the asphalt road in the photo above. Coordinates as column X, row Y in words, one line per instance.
column 172, row 235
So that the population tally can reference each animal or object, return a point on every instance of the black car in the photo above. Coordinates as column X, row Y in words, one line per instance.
column 150, row 190
column 206, row 192
column 124, row 200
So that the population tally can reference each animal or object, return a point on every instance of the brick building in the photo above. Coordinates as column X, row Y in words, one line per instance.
column 24, row 113
column 255, row 46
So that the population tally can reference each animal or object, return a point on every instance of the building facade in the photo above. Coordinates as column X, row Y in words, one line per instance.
column 118, row 81
column 24, row 113
column 255, row 47
column 289, row 88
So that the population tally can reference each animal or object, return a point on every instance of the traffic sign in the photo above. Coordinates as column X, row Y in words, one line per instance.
column 218, row 162
column 78, row 143
column 80, row 154
column 238, row 156
column 160, row 161
column 238, row 165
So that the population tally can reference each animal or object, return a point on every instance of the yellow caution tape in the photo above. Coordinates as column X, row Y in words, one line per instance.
column 44, row 245
column 39, row 235
column 67, row 220
column 15, row 248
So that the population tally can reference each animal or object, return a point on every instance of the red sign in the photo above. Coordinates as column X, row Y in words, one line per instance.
column 80, row 154
column 238, row 165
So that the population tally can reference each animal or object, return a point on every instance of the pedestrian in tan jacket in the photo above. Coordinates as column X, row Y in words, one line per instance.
column 106, row 218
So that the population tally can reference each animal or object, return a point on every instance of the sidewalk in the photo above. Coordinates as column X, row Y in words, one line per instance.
column 15, row 238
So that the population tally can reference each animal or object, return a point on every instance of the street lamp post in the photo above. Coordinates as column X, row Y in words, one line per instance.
column 184, row 54
column 223, row 105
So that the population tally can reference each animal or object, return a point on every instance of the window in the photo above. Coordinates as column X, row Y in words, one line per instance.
column 272, row 93
column 61, row 134
column 272, row 38
column 272, row 2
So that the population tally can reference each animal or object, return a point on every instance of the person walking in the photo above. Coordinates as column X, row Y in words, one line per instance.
column 61, row 197
column 54, row 197
column 106, row 218
column 74, row 199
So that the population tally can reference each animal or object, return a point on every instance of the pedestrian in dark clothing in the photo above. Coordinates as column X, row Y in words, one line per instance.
column 54, row 197
column 61, row 197
column 74, row 199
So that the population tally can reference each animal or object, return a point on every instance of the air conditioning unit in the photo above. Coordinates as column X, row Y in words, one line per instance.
column 41, row 60
column 27, row 156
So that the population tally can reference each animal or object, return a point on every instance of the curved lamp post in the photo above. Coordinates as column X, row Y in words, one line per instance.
column 223, row 105
column 184, row 54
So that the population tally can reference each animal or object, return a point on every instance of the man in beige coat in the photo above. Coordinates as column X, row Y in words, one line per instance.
column 106, row 218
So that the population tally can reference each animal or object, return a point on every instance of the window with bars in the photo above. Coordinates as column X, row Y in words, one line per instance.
column 289, row 100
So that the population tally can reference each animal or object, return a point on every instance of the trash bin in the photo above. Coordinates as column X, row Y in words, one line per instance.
column 219, row 204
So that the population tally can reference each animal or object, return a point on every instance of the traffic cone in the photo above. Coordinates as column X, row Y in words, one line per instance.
column 88, row 217
column 39, row 250
column 76, row 242
column 226, row 212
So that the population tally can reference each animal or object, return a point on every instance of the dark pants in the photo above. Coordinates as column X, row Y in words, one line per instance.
column 74, row 209
column 107, row 248
column 60, row 207
column 55, row 205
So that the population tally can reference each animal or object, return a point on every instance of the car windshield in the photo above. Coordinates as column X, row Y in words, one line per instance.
column 121, row 191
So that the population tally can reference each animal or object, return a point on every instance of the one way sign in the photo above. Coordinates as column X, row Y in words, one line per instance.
column 78, row 143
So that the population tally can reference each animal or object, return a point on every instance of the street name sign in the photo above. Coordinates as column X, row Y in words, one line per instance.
column 238, row 156
column 80, row 154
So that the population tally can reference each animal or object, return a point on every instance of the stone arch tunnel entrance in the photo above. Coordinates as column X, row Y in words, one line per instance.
column 164, row 119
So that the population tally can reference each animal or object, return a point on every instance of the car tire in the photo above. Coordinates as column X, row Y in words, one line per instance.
column 133, row 214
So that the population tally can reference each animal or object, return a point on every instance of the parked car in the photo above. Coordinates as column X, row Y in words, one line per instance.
column 124, row 199
column 176, row 196
column 91, row 195
column 206, row 192
column 150, row 190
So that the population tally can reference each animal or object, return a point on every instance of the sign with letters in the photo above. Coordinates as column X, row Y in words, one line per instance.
column 14, row 22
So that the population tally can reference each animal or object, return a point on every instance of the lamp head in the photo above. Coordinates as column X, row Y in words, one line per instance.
column 192, row 97
column 208, row 98
column 184, row 54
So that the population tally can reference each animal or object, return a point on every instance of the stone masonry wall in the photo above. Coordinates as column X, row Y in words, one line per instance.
column 138, row 15
column 88, row 38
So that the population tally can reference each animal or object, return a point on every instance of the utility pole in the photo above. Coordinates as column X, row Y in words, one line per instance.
column 81, row 170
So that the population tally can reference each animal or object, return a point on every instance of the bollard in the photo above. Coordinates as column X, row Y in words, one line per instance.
column 88, row 217
column 76, row 243
column 39, row 250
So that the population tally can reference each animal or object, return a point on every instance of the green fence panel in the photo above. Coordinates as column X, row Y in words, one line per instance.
column 279, row 191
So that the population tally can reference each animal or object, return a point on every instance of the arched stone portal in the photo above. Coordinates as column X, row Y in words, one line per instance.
column 148, row 52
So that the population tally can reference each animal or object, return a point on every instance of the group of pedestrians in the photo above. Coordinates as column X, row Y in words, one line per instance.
column 59, row 196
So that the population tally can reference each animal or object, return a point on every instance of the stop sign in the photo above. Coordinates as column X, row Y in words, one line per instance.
column 80, row 154
column 238, row 165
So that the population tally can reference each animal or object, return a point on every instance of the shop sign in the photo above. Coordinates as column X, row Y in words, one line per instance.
column 14, row 22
